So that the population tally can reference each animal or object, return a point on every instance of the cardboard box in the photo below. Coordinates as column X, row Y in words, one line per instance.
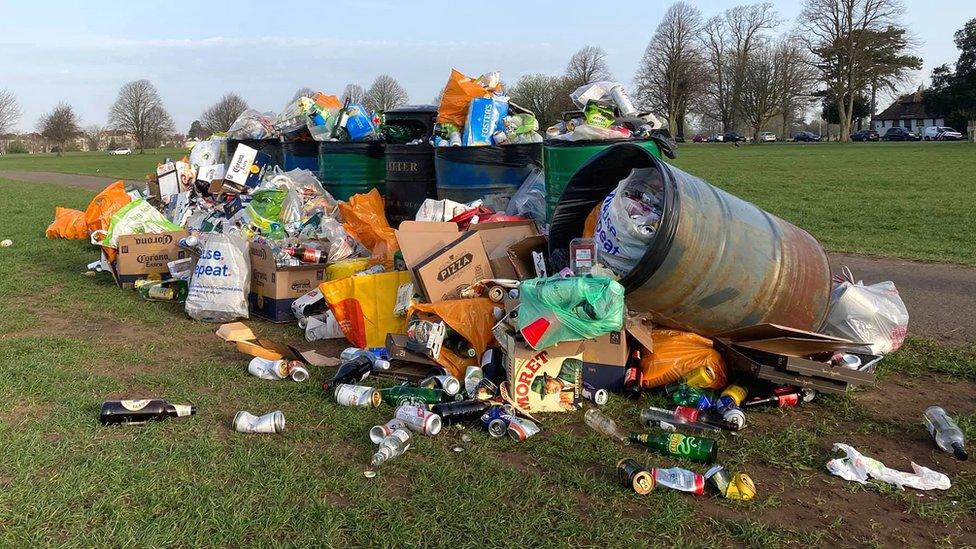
column 446, row 272
column 528, row 255
column 246, row 342
column 273, row 289
column 144, row 255
column 604, row 359
column 418, row 240
column 246, row 166
column 786, row 355
column 497, row 237
column 550, row 380
column 396, row 347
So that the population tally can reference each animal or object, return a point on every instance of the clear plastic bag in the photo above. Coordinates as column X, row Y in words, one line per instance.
column 873, row 314
column 530, row 199
column 252, row 124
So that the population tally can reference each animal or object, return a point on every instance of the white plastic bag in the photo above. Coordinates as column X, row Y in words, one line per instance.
column 206, row 152
column 873, row 314
column 621, row 241
column 221, row 280
column 858, row 468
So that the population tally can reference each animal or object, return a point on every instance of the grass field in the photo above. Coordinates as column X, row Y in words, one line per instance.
column 911, row 200
column 69, row 341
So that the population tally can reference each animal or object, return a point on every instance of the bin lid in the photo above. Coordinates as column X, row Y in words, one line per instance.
column 413, row 109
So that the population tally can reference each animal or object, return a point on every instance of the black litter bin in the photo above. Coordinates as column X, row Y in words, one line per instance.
column 410, row 170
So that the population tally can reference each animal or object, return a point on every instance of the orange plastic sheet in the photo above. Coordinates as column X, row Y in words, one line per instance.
column 98, row 216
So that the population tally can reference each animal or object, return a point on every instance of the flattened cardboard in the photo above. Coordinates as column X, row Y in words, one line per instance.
column 143, row 255
column 419, row 239
column 497, row 237
column 769, row 331
column 247, row 343
column 452, row 268
column 520, row 254
column 274, row 289
column 640, row 329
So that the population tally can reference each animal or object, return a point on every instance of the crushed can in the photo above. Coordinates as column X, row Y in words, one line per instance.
column 497, row 418
column 419, row 419
column 521, row 429
column 246, row 422
column 378, row 432
column 741, row 487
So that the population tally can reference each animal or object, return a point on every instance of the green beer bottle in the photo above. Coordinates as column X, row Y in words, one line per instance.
column 700, row 449
column 415, row 396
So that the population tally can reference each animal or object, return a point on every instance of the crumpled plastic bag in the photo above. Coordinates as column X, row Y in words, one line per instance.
column 858, row 468
column 363, row 306
column 68, row 224
column 99, row 213
column 207, row 152
column 530, row 199
column 221, row 280
column 136, row 217
column 587, row 132
column 559, row 309
column 622, row 240
column 873, row 314
column 252, row 124
column 675, row 354
column 458, row 93
column 365, row 218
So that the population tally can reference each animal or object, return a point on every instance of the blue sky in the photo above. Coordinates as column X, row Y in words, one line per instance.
column 82, row 52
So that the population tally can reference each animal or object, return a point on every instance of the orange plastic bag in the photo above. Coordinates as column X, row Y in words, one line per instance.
column 68, row 223
column 104, row 205
column 328, row 102
column 472, row 319
column 363, row 306
column 675, row 354
column 458, row 93
column 365, row 220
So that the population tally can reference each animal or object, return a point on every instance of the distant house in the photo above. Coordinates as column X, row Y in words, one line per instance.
column 908, row 111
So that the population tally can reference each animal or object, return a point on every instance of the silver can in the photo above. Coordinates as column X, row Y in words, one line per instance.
column 378, row 432
column 419, row 419
column 246, row 422
column 520, row 428
column 619, row 95
column 347, row 394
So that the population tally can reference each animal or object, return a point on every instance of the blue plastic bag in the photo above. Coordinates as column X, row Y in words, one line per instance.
column 359, row 125
column 485, row 116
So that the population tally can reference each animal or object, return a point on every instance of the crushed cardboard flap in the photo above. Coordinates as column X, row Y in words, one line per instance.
column 247, row 343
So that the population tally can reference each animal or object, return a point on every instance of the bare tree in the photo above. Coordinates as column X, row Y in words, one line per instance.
column 671, row 74
column 797, row 79
column 761, row 88
column 59, row 126
column 587, row 65
column 91, row 134
column 9, row 111
column 354, row 93
column 540, row 94
column 139, row 111
column 839, row 33
column 302, row 92
column 385, row 93
column 222, row 114
column 729, row 39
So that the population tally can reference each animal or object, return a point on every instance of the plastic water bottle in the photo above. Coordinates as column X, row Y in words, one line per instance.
column 945, row 431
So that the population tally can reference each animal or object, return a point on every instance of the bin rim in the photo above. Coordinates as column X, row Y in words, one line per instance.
column 615, row 163
column 556, row 143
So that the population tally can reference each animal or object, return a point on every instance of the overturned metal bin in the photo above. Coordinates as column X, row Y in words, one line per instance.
column 717, row 262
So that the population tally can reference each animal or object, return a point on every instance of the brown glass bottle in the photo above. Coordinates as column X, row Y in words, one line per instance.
column 140, row 411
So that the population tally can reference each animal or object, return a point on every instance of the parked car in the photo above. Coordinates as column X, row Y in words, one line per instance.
column 732, row 137
column 767, row 137
column 900, row 134
column 805, row 136
column 700, row 138
column 865, row 135
column 715, row 138
column 941, row 133
column 124, row 150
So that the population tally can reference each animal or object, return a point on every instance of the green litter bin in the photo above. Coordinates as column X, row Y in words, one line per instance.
column 352, row 167
column 563, row 158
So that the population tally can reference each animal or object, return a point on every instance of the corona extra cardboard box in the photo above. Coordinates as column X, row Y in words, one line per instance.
column 146, row 256
column 273, row 289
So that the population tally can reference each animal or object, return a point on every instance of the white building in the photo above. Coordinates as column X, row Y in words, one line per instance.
column 908, row 111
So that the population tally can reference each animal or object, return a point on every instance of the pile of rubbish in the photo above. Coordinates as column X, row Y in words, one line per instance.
column 469, row 317
column 606, row 112
column 475, row 112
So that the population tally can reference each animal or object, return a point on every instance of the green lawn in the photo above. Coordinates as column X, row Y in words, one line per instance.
column 134, row 166
column 911, row 200
column 68, row 341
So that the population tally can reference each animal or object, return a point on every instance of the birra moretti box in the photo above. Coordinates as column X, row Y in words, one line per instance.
column 548, row 380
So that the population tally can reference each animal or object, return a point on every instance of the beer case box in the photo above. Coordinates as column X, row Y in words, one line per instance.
column 549, row 380
column 785, row 355
column 497, row 237
column 246, row 166
column 604, row 361
column 273, row 289
column 447, row 271
column 146, row 255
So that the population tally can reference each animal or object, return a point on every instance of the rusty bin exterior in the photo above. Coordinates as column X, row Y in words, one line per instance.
column 717, row 262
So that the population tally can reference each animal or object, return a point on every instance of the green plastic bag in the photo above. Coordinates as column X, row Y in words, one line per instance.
column 565, row 309
column 136, row 217
column 265, row 208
